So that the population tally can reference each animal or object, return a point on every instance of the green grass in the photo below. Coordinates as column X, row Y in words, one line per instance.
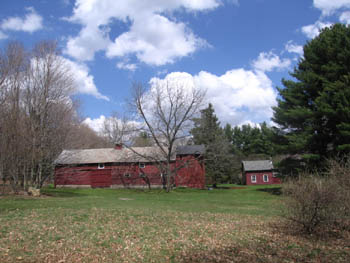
column 250, row 201
column 186, row 225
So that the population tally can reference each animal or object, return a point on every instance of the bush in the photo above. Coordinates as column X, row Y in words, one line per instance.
column 339, row 170
column 319, row 204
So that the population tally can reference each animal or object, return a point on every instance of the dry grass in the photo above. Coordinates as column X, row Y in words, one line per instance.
column 128, row 235
column 136, row 234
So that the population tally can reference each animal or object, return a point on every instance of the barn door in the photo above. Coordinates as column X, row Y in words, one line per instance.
column 101, row 178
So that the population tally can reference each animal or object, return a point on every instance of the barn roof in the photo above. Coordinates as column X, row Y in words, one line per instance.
column 261, row 165
column 110, row 155
column 190, row 149
column 124, row 155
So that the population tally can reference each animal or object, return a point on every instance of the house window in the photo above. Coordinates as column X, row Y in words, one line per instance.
column 253, row 178
column 101, row 166
column 142, row 165
column 266, row 178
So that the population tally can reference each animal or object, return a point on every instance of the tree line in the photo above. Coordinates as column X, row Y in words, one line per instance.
column 38, row 113
column 312, row 118
column 227, row 146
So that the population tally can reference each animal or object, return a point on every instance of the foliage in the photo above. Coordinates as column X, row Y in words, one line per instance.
column 318, row 204
column 314, row 110
column 218, row 159
column 247, row 140
column 292, row 166
column 252, row 143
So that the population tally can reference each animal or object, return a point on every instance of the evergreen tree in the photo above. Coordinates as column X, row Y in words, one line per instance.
column 250, row 143
column 314, row 110
column 218, row 159
column 248, row 140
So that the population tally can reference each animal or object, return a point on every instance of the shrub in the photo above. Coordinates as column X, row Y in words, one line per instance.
column 339, row 170
column 319, row 204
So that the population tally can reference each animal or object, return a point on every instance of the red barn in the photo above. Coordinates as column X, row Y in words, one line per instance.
column 259, row 172
column 136, row 167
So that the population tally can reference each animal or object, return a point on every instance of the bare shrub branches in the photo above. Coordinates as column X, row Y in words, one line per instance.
column 320, row 204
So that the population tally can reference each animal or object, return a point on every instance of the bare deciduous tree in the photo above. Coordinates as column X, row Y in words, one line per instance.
column 36, row 112
column 13, row 62
column 116, row 129
column 166, row 111
column 48, row 85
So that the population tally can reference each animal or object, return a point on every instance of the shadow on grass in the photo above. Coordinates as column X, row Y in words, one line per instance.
column 273, row 191
column 60, row 193
column 227, row 187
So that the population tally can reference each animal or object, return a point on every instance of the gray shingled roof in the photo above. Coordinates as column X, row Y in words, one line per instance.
column 110, row 155
column 190, row 149
column 124, row 155
column 261, row 165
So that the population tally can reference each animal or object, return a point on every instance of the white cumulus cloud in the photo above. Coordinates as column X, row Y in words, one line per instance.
column 313, row 30
column 269, row 61
column 345, row 17
column 83, row 80
column 329, row 6
column 155, row 40
column 238, row 96
column 151, row 36
column 126, row 66
column 95, row 124
column 29, row 23
column 90, row 40
column 294, row 48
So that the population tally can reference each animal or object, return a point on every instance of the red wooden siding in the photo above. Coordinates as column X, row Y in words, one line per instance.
column 136, row 176
column 260, row 178
column 190, row 175
column 73, row 175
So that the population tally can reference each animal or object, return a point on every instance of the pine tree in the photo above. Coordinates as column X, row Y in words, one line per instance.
column 218, row 159
column 314, row 110
column 248, row 140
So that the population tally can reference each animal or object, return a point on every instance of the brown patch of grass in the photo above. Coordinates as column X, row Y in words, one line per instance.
column 131, row 235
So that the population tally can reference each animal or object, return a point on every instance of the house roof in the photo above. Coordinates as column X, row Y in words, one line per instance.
column 190, row 149
column 261, row 165
column 124, row 155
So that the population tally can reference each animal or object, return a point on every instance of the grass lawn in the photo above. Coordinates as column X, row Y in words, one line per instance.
column 105, row 225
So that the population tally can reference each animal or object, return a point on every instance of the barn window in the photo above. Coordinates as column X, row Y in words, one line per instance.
column 266, row 178
column 101, row 166
column 142, row 165
column 127, row 175
column 253, row 178
column 142, row 175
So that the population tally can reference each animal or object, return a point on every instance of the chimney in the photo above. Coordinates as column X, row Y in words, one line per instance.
column 118, row 146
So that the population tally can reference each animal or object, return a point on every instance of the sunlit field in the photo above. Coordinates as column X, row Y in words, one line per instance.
column 232, row 224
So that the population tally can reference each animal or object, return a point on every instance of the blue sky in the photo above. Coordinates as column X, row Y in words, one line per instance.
column 237, row 50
